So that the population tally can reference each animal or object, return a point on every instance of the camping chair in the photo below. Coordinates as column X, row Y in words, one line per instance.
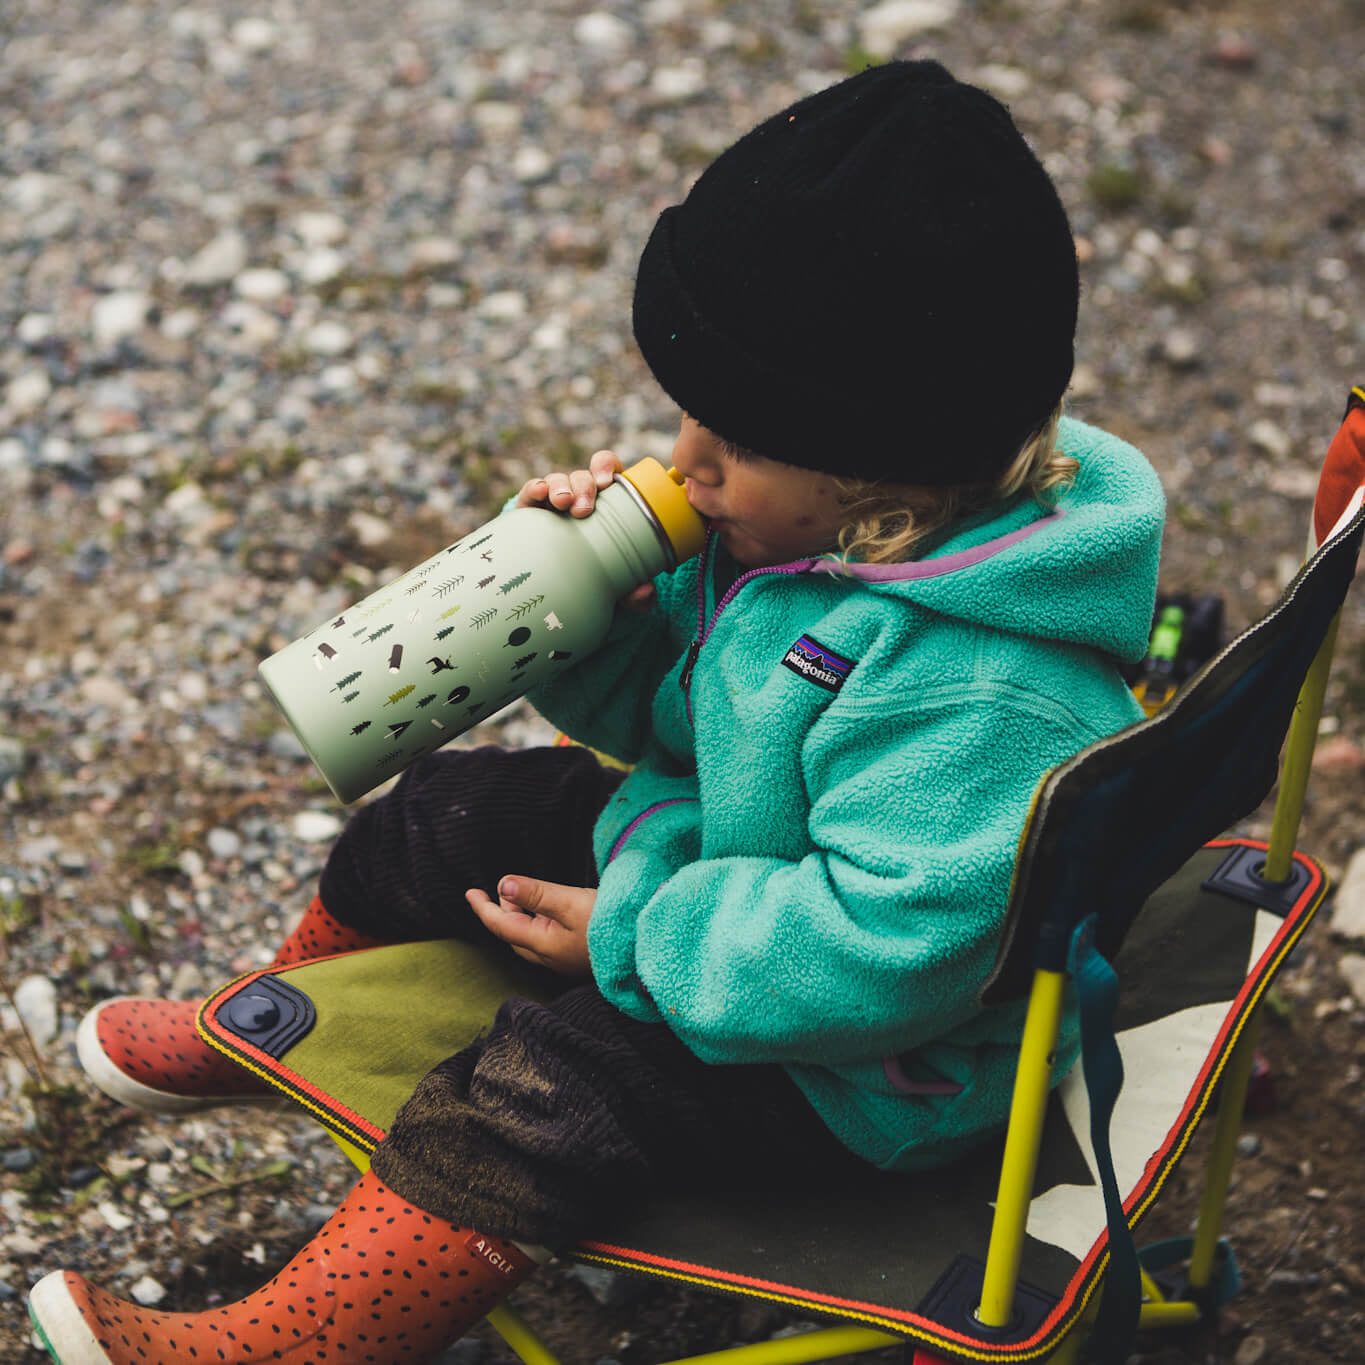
column 1122, row 879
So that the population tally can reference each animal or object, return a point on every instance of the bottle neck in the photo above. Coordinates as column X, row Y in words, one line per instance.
column 626, row 538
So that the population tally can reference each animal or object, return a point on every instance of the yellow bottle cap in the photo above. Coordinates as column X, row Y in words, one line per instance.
column 662, row 490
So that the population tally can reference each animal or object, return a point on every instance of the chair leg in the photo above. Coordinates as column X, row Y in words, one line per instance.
column 1222, row 1153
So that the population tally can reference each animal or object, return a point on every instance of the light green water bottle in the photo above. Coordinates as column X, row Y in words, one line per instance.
column 474, row 627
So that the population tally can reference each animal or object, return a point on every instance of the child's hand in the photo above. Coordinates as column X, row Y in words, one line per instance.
column 543, row 922
column 574, row 492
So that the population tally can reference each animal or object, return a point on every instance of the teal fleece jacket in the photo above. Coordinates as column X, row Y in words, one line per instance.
column 810, row 861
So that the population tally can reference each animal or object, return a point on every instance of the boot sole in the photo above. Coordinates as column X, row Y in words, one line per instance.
column 60, row 1325
column 105, row 1076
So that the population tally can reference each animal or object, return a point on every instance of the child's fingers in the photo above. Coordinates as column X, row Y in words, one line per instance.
column 533, row 493
column 508, row 923
column 568, row 906
column 535, row 937
column 604, row 466
column 575, row 491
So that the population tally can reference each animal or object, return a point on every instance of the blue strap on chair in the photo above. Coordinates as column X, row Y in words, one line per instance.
column 1097, row 995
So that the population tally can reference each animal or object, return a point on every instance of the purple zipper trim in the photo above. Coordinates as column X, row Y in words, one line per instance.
column 935, row 568
column 643, row 816
column 895, row 1073
column 705, row 627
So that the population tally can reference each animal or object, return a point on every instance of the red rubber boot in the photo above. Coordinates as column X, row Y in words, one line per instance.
column 146, row 1053
column 381, row 1282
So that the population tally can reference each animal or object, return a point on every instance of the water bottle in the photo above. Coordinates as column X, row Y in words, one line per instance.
column 473, row 628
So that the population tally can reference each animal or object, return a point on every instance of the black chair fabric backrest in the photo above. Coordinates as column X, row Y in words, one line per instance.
column 1111, row 824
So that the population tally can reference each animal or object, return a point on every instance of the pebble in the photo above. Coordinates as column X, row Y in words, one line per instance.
column 27, row 392
column 1352, row 969
column 318, row 230
column 603, row 32
column 262, row 285
column 114, row 1217
column 884, row 28
column 1269, row 438
column 316, row 826
column 1181, row 348
column 329, row 338
column 1348, row 909
column 1250, row 1351
column 223, row 843
column 217, row 263
column 148, row 1291
column 35, row 998
column 118, row 315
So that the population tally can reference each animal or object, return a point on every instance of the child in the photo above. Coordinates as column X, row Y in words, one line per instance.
column 917, row 585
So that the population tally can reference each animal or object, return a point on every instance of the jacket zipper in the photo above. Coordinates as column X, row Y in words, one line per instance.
column 705, row 627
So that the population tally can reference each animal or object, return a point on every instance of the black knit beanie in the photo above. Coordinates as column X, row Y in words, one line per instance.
column 878, row 282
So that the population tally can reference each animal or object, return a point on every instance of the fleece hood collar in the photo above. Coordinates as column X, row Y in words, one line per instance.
column 1081, row 573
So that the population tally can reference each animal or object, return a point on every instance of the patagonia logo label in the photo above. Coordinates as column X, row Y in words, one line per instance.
column 817, row 664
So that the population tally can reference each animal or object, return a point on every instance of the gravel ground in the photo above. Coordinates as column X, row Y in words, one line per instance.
column 294, row 293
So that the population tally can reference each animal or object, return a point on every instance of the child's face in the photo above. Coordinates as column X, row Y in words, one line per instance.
column 764, row 512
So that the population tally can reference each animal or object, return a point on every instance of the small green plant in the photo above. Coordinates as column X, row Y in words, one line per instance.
column 162, row 856
column 232, row 1176
column 1115, row 188
column 857, row 58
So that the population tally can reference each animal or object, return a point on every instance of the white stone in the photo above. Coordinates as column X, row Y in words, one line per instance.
column 1004, row 82
column 328, row 338
column 185, row 502
column 319, row 265
column 218, row 262
column 118, row 315
column 550, row 336
column 114, row 1216
column 22, row 1244
column 148, row 1291
column 427, row 253
column 1352, row 969
column 1348, row 913
column 254, row 35
column 35, row 328
column 28, row 392
column 371, row 531
column 678, row 83
column 884, row 27
column 103, row 691
column 497, row 118
column 339, row 379
column 251, row 323
column 602, row 31
column 316, row 826
column 504, row 305
column 181, row 323
column 262, row 285
column 531, row 164
column 35, row 998
column 1266, row 436
column 1181, row 347
column 320, row 229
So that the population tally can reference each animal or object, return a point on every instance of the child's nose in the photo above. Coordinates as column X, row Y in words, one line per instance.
column 691, row 456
